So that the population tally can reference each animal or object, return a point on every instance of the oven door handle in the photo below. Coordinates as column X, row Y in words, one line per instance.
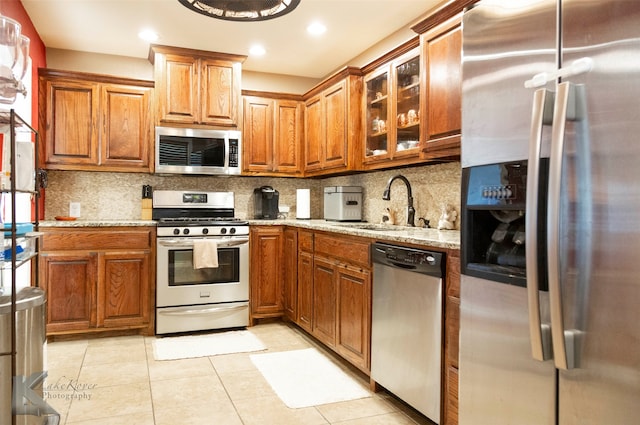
column 203, row 311
column 181, row 243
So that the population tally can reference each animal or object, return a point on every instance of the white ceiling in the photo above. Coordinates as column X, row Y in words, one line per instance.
column 111, row 27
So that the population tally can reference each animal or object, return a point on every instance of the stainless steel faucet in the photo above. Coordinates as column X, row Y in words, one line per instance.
column 411, row 212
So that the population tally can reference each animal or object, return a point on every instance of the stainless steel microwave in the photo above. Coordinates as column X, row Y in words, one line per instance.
column 198, row 151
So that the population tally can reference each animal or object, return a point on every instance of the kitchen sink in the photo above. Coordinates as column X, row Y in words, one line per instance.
column 372, row 226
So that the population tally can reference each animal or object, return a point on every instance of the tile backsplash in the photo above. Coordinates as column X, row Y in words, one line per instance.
column 117, row 196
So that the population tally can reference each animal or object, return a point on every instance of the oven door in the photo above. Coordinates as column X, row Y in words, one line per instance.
column 179, row 284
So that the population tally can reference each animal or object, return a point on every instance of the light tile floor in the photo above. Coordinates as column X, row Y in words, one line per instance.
column 116, row 380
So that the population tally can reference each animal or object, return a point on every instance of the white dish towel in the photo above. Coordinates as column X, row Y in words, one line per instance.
column 205, row 253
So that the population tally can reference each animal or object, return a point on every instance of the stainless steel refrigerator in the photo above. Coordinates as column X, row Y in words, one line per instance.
column 550, row 233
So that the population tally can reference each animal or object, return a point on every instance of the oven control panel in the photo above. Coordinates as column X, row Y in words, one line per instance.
column 203, row 231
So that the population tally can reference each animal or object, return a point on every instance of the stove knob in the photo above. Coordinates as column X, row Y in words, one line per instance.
column 176, row 231
column 232, row 230
column 185, row 231
column 223, row 231
column 205, row 231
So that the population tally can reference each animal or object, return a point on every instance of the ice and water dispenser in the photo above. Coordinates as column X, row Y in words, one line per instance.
column 493, row 224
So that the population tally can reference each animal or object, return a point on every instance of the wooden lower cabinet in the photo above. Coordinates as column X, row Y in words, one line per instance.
column 451, row 339
column 452, row 396
column 324, row 301
column 304, row 316
column 334, row 294
column 98, row 279
column 266, row 271
column 290, row 277
column 354, row 311
column 124, row 277
column 70, row 281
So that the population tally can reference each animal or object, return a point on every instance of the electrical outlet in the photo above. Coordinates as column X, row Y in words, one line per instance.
column 74, row 209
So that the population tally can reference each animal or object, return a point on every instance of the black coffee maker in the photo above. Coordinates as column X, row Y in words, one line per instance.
column 265, row 201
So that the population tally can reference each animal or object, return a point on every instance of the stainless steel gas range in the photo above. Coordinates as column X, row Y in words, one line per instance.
column 191, row 296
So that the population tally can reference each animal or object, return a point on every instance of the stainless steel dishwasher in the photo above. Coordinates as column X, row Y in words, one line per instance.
column 406, row 331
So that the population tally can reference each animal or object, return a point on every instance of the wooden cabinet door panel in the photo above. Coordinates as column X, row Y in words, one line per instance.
column 69, row 280
column 258, row 134
column 336, row 142
column 220, row 87
column 314, row 133
column 126, row 134
column 452, row 330
column 354, row 297
column 451, row 407
column 71, row 122
column 324, row 301
column 305, row 291
column 445, row 83
column 288, row 136
column 179, row 98
column 123, row 287
column 290, row 263
column 266, row 271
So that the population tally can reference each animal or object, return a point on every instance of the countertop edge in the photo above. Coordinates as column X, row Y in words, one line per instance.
column 97, row 223
column 434, row 238
column 444, row 239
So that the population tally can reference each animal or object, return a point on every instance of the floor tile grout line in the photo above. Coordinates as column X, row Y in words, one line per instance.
column 146, row 357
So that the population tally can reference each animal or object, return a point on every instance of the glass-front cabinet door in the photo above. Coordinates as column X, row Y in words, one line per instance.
column 377, row 114
column 407, row 105
column 392, row 105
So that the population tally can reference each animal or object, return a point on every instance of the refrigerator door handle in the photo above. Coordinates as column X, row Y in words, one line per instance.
column 539, row 333
column 569, row 106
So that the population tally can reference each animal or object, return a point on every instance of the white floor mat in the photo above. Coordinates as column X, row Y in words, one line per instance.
column 303, row 378
column 184, row 347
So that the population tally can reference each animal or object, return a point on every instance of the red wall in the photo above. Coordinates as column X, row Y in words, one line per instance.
column 14, row 10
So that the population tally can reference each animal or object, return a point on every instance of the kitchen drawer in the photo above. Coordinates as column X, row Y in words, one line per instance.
column 352, row 251
column 96, row 239
column 305, row 240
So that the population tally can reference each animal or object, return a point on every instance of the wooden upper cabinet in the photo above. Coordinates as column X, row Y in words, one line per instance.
column 197, row 87
column 69, row 116
column 288, row 136
column 126, row 118
column 272, row 136
column 336, row 148
column 95, row 122
column 333, row 128
column 314, row 133
column 442, row 105
column 257, row 137
column 178, row 89
column 392, row 96
column 220, row 92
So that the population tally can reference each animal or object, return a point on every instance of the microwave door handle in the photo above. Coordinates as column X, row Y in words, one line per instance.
column 539, row 333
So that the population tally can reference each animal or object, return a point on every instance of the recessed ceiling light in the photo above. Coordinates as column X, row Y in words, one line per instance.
column 148, row 35
column 316, row 28
column 257, row 50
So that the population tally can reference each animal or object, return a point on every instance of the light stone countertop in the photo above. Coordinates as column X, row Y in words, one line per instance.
column 96, row 223
column 433, row 238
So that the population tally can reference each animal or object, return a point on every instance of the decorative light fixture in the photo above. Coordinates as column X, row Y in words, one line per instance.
column 242, row 10
column 14, row 60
